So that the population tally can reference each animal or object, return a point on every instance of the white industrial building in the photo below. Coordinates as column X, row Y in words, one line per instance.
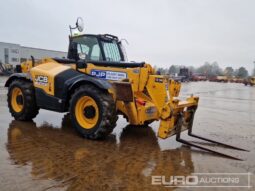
column 15, row 54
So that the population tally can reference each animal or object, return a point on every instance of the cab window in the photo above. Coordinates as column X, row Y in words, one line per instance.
column 111, row 51
column 88, row 48
column 96, row 53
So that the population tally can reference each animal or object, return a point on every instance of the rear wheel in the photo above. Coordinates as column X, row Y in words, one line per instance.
column 21, row 100
column 93, row 112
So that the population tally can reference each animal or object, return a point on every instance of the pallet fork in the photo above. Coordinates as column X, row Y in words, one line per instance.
column 190, row 133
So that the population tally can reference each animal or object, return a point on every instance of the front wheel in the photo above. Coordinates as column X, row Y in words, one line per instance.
column 92, row 112
column 22, row 101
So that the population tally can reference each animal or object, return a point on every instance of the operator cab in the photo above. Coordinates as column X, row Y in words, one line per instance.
column 96, row 48
column 101, row 50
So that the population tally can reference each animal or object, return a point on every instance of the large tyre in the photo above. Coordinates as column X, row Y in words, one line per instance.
column 21, row 100
column 93, row 112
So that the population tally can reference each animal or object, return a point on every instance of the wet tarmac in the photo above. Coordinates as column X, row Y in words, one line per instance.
column 47, row 154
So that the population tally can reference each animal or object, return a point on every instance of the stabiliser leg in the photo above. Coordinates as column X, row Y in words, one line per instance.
column 179, row 139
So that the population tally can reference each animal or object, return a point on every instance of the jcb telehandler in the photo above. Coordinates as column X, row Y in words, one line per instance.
column 96, row 84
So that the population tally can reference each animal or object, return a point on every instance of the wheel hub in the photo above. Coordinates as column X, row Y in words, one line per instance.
column 19, row 99
column 89, row 112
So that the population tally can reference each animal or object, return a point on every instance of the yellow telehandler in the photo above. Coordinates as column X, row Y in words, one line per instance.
column 95, row 84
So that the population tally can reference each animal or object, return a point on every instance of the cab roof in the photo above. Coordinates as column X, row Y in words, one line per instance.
column 102, row 36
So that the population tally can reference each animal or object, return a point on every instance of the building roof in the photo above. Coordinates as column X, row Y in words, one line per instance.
column 9, row 43
column 33, row 47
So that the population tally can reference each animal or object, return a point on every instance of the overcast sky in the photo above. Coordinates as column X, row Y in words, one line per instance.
column 161, row 32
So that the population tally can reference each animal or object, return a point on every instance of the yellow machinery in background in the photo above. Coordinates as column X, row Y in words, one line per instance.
column 250, row 81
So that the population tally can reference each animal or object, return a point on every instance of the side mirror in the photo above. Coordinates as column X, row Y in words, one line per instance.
column 80, row 24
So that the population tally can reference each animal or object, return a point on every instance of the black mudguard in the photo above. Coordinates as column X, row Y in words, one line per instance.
column 67, row 80
column 17, row 76
column 64, row 85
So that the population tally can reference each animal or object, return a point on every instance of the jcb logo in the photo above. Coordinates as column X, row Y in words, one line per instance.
column 41, row 80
